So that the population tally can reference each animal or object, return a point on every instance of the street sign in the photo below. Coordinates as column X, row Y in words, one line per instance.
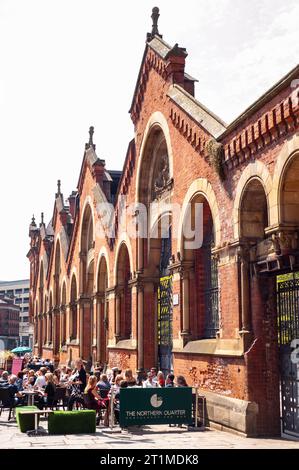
column 155, row 406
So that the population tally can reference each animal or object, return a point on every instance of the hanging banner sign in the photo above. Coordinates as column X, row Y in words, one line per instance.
column 17, row 365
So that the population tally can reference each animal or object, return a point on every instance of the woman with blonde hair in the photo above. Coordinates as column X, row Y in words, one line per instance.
column 92, row 398
column 48, row 395
column 131, row 381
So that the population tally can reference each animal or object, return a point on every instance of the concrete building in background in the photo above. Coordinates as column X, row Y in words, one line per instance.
column 9, row 322
column 19, row 292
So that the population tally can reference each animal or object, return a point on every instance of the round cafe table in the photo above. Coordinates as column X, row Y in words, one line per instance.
column 31, row 394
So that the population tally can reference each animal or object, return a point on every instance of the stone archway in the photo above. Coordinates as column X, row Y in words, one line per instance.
column 86, row 283
column 102, row 307
column 154, row 191
column 259, row 172
column 73, row 321
column 289, row 192
column 63, row 322
column 123, row 301
column 42, row 319
column 253, row 217
column 57, row 299
column 199, row 266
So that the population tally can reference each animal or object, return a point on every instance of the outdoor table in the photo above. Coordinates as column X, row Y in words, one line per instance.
column 36, row 413
column 30, row 394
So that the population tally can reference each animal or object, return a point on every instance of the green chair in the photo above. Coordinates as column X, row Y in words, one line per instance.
column 72, row 422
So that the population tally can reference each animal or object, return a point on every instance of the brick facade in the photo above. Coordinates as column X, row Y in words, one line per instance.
column 245, row 174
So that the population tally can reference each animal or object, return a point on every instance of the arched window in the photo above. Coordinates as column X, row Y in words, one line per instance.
column 253, row 211
column 63, row 315
column 45, row 321
column 289, row 193
column 73, row 310
column 124, row 299
column 103, row 315
column 50, row 320
column 202, row 274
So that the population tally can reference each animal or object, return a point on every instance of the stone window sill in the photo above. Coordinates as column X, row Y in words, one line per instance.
column 130, row 344
column 216, row 347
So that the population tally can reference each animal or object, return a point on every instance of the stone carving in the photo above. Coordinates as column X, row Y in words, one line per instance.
column 215, row 153
column 161, row 181
column 283, row 243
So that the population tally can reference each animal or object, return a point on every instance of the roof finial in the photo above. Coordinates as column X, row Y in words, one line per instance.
column 155, row 17
column 58, row 187
column 155, row 32
column 33, row 220
column 91, row 132
column 42, row 219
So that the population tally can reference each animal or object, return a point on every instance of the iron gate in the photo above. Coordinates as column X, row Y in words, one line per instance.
column 165, row 324
column 288, row 330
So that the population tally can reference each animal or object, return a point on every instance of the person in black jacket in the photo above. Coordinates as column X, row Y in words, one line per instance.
column 77, row 384
column 48, row 395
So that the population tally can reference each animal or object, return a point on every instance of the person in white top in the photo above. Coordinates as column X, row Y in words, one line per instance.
column 150, row 382
column 41, row 379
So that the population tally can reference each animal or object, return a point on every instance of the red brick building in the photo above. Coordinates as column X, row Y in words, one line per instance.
column 222, row 315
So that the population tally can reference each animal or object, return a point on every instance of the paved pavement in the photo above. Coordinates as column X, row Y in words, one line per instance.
column 148, row 437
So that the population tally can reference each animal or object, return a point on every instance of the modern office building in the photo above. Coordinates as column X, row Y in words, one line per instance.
column 19, row 292
column 9, row 322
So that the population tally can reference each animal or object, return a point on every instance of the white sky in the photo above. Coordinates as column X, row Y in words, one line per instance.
column 69, row 64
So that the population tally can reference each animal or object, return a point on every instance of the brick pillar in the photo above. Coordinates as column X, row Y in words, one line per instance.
column 84, row 328
column 56, row 330
column 117, row 315
column 262, row 359
column 140, row 331
column 186, row 316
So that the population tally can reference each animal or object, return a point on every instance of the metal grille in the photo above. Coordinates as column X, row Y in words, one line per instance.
column 211, row 293
column 288, row 308
column 288, row 330
column 165, row 323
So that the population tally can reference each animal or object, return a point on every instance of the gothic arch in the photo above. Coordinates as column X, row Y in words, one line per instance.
column 200, row 187
column 57, row 272
column 103, row 254
column 86, row 247
column 86, row 225
column 253, row 211
column 123, row 314
column 123, row 240
column 258, row 171
column 285, row 164
column 63, row 293
column 41, row 287
column 156, row 123
column 72, row 275
column 73, row 296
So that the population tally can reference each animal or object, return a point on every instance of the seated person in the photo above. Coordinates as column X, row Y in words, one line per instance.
column 131, row 381
column 104, row 386
column 48, row 395
column 92, row 399
column 41, row 379
column 169, row 381
column 150, row 382
column 19, row 381
column 4, row 379
column 14, row 396
column 123, row 384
